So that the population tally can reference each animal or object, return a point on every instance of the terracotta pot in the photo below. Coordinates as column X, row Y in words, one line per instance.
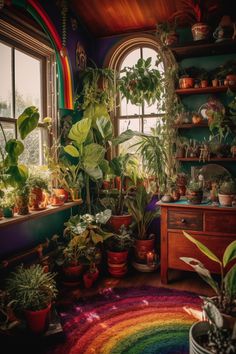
column 59, row 196
column 231, row 79
column 142, row 247
column 36, row 199
column 226, row 199
column 116, row 221
column 37, row 320
column 172, row 38
column 186, row 82
column 117, row 263
column 75, row 193
column 200, row 31
column 204, row 83
column 215, row 82
column 73, row 272
column 89, row 278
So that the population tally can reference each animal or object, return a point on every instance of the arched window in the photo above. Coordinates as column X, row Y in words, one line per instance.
column 126, row 54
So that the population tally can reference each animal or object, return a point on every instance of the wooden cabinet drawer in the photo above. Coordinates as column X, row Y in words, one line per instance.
column 180, row 246
column 185, row 220
column 224, row 222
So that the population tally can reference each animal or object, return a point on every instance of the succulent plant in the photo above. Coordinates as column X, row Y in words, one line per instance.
column 228, row 187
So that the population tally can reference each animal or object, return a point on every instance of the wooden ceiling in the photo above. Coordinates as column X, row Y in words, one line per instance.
column 113, row 17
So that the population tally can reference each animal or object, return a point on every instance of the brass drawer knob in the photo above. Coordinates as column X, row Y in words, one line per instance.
column 183, row 221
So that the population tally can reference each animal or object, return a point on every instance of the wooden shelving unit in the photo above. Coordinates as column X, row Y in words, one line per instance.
column 203, row 48
column 212, row 159
column 209, row 89
column 37, row 214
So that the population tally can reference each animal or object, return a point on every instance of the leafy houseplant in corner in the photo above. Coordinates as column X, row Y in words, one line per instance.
column 221, row 308
column 33, row 291
column 138, row 207
column 118, row 246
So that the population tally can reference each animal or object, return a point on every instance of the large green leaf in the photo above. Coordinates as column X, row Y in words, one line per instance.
column 230, row 282
column 229, row 253
column 95, row 111
column 95, row 173
column 16, row 175
column 202, row 272
column 105, row 128
column 202, row 248
column 79, row 131
column 72, row 151
column 213, row 313
column 93, row 154
column 125, row 136
column 14, row 148
column 28, row 121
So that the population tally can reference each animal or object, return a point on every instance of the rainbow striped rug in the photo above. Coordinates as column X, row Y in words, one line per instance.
column 145, row 320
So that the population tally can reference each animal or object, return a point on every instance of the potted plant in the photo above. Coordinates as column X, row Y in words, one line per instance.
column 14, row 173
column 89, row 138
column 138, row 206
column 98, row 87
column 115, row 200
column 93, row 257
column 22, row 193
column 223, row 304
column 166, row 31
column 141, row 83
column 227, row 192
column 37, row 184
column 7, row 203
column 118, row 246
column 194, row 193
column 85, row 234
column 33, row 291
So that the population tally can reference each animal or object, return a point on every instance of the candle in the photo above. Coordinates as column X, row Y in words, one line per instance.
column 150, row 258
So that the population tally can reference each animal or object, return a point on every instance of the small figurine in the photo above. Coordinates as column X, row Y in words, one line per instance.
column 204, row 153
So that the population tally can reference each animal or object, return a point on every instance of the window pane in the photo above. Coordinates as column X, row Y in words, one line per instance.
column 9, row 130
column 131, row 58
column 6, row 81
column 124, row 124
column 149, row 123
column 33, row 144
column 128, row 109
column 27, row 82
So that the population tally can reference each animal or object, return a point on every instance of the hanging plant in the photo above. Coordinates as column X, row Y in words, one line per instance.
column 141, row 83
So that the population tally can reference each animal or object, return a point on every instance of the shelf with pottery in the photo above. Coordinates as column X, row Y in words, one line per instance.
column 16, row 219
column 203, row 90
column 203, row 48
column 192, row 159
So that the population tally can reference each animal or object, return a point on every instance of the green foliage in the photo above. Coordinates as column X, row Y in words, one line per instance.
column 120, row 242
column 140, row 83
column 137, row 204
column 35, row 181
column 28, row 121
column 226, row 289
column 13, row 173
column 86, row 234
column 228, row 187
column 194, row 186
column 98, row 87
column 31, row 288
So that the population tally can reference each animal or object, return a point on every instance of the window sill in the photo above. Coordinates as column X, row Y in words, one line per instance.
column 37, row 214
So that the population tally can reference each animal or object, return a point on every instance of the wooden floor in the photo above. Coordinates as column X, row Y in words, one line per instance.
column 188, row 281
